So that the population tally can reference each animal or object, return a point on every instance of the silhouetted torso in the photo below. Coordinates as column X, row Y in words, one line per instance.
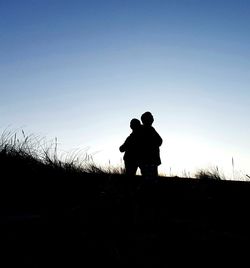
column 131, row 148
column 150, row 141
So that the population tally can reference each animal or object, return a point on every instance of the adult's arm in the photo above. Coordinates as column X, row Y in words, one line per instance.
column 157, row 138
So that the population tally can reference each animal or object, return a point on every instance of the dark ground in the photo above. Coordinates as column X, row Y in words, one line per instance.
column 114, row 219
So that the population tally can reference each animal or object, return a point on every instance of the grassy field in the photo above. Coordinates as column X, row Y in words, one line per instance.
column 71, row 213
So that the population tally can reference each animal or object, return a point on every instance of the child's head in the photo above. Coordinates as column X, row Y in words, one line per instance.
column 135, row 124
column 147, row 119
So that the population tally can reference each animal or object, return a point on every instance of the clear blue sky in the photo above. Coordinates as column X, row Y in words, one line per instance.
column 80, row 70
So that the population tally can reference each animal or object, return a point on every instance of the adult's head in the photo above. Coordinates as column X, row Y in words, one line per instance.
column 147, row 119
column 135, row 124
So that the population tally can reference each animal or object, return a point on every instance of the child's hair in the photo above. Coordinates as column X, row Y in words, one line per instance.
column 135, row 123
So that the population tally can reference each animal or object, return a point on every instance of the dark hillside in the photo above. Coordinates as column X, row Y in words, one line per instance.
column 72, row 218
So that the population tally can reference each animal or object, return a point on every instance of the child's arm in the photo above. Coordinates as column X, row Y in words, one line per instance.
column 125, row 145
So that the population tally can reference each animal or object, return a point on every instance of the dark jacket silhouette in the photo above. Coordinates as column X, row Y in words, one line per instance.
column 131, row 147
column 150, row 142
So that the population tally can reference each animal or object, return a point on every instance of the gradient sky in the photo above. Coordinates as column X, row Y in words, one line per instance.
column 81, row 70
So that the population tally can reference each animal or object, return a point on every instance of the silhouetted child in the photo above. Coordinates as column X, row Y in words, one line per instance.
column 131, row 148
column 150, row 142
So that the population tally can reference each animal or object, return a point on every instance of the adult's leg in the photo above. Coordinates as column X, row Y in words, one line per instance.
column 149, row 170
column 130, row 168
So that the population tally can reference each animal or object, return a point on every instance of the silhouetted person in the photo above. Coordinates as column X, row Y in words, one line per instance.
column 150, row 141
column 131, row 148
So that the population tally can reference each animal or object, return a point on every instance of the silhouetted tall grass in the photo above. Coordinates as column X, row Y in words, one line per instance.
column 36, row 152
column 17, row 148
column 210, row 174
